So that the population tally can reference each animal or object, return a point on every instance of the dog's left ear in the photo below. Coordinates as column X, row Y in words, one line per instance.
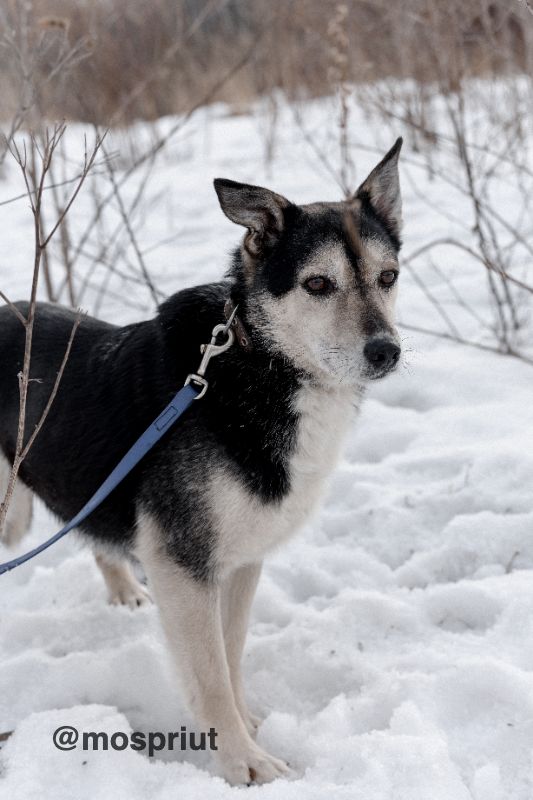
column 382, row 189
column 256, row 208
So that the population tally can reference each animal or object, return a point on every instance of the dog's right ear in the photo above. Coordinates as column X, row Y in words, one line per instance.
column 256, row 208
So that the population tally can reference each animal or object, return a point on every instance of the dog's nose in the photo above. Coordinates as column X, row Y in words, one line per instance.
column 382, row 353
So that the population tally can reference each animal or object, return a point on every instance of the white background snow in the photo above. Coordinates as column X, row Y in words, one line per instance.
column 391, row 644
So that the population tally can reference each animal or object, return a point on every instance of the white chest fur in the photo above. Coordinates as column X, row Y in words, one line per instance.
column 247, row 527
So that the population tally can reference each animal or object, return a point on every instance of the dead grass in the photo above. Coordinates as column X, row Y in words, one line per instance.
column 112, row 61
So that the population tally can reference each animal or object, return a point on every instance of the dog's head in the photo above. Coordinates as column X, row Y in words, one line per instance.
column 320, row 280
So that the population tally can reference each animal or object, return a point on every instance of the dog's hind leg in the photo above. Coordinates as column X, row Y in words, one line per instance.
column 191, row 616
column 238, row 592
column 122, row 586
column 20, row 510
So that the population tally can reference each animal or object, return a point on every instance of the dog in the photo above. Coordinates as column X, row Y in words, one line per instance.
column 314, row 287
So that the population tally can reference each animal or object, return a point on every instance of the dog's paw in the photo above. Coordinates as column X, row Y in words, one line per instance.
column 254, row 766
column 133, row 595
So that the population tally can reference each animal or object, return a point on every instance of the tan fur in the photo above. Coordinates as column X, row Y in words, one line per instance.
column 122, row 585
column 20, row 511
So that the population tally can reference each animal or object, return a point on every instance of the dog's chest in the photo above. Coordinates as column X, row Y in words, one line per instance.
column 248, row 527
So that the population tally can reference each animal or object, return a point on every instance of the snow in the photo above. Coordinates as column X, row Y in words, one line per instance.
column 390, row 650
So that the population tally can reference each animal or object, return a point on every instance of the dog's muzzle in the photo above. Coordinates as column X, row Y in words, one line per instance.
column 382, row 356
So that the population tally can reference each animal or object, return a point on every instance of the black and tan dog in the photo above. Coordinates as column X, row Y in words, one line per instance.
column 315, row 287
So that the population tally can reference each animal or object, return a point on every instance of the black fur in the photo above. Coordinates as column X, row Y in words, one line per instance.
column 115, row 383
column 118, row 379
column 303, row 232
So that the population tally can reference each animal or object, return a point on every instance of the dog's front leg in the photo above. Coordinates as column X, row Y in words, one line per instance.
column 238, row 591
column 191, row 616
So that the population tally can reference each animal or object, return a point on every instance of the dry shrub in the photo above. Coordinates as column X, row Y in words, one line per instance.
column 110, row 62
column 148, row 58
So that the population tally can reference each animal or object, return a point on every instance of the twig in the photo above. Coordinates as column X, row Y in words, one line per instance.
column 133, row 238
column 152, row 152
column 455, row 243
column 46, row 188
column 459, row 340
column 55, row 388
column 35, row 187
column 13, row 308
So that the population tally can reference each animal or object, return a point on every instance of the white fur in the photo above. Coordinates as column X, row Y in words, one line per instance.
column 247, row 527
column 237, row 593
column 206, row 623
column 330, row 343
column 191, row 613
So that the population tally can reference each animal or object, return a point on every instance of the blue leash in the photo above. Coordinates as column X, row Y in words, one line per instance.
column 172, row 412
column 195, row 387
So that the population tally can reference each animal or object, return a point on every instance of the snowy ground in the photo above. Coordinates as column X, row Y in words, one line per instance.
column 391, row 646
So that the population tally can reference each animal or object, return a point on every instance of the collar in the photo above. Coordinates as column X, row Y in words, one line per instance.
column 241, row 334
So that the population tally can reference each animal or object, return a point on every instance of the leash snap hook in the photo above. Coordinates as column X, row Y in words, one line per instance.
column 177, row 406
column 208, row 352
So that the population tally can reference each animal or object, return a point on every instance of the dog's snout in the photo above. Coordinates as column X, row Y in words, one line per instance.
column 382, row 354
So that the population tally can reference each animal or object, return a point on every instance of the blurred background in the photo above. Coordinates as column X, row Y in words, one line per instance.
column 114, row 61
column 342, row 78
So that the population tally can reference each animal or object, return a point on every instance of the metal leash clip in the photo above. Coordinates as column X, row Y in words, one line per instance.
column 210, row 350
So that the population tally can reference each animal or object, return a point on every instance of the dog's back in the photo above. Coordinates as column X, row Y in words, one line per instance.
column 115, row 383
column 74, row 450
column 51, row 332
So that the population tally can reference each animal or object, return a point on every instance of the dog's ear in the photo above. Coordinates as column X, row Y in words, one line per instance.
column 258, row 209
column 382, row 189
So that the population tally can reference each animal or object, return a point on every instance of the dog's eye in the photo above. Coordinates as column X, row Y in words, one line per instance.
column 318, row 285
column 388, row 277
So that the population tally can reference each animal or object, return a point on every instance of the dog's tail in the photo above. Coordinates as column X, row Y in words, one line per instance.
column 20, row 511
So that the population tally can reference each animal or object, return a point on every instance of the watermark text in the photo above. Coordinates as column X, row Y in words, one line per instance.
column 67, row 737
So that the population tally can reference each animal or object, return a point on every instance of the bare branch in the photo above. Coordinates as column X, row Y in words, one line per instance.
column 55, row 388
column 34, row 177
column 133, row 238
column 459, row 340
column 13, row 308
